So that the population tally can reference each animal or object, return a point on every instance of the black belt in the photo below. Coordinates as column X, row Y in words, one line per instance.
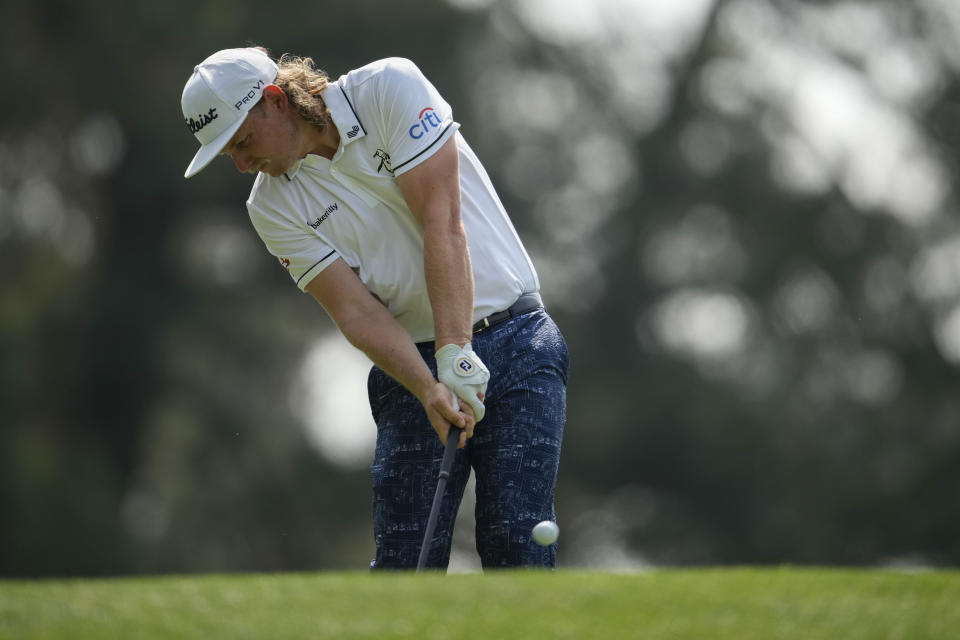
column 524, row 304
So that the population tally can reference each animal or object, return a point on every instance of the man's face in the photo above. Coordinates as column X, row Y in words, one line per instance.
column 267, row 141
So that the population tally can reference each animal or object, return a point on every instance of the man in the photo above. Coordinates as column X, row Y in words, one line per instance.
column 370, row 197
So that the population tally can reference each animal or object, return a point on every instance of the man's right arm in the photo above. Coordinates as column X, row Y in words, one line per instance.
column 368, row 325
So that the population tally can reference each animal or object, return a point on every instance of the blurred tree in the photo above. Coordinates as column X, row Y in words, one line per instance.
column 762, row 311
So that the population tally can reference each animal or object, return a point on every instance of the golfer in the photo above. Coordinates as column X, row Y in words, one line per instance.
column 368, row 195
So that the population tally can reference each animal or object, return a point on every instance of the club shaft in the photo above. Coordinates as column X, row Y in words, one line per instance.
column 446, row 466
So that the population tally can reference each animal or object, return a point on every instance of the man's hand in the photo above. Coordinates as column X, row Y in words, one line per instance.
column 443, row 410
column 462, row 371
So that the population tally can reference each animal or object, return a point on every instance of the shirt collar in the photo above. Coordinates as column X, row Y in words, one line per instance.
column 344, row 119
column 344, row 114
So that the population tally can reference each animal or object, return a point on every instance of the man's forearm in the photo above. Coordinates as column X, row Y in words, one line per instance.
column 368, row 325
column 449, row 277
column 390, row 347
column 432, row 191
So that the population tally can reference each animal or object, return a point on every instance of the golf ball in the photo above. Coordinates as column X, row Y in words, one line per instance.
column 546, row 533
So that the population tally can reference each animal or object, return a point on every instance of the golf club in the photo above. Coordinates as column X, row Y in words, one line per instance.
column 446, row 465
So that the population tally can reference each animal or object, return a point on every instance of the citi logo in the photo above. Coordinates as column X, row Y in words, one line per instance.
column 203, row 120
column 426, row 121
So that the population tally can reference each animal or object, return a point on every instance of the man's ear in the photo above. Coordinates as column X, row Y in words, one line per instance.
column 275, row 96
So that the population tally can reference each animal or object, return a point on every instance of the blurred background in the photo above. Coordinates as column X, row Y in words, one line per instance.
column 745, row 218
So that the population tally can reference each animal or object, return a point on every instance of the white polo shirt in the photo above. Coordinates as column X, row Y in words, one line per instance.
column 390, row 119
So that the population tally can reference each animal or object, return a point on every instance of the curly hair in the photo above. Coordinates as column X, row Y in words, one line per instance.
column 303, row 83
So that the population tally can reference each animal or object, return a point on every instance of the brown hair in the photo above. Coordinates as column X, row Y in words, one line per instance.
column 303, row 83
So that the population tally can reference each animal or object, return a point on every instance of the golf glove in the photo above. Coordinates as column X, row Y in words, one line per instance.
column 461, row 371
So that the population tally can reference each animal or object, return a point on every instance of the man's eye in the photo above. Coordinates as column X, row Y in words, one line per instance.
column 245, row 142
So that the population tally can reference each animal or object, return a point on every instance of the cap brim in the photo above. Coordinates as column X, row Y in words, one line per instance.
column 209, row 151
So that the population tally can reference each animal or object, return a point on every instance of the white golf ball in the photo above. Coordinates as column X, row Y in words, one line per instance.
column 546, row 533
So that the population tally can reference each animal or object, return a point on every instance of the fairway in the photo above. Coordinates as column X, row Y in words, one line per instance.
column 735, row 604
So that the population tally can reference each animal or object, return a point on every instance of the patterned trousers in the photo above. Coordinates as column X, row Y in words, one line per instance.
column 514, row 453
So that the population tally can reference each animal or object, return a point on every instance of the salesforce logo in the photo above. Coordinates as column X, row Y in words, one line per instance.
column 427, row 120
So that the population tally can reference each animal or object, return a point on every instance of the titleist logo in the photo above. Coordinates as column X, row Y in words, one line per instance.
column 202, row 120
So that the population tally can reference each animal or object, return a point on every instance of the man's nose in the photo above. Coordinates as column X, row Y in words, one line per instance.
column 242, row 160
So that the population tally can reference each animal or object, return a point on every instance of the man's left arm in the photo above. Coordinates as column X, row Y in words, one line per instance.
column 432, row 192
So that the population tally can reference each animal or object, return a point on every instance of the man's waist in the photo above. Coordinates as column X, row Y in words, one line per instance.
column 524, row 304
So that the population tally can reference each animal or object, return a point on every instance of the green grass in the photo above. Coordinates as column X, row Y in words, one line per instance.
column 714, row 604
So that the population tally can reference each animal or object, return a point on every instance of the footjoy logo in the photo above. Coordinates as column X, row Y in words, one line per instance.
column 202, row 120
column 285, row 262
column 464, row 367
column 427, row 120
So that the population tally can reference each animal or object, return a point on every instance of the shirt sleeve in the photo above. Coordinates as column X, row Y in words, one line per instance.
column 303, row 255
column 416, row 120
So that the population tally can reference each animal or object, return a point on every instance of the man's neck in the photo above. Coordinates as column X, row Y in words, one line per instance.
column 322, row 142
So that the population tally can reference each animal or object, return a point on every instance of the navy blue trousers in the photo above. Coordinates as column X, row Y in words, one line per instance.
column 514, row 453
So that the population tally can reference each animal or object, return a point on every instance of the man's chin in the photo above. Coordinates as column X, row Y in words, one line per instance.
column 273, row 171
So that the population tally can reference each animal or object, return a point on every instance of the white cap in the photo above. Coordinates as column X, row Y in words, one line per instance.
column 218, row 96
